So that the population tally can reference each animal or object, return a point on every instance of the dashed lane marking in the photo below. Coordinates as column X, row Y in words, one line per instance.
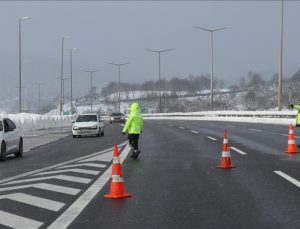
column 256, row 130
column 211, row 138
column 34, row 201
column 289, row 178
column 238, row 150
column 84, row 171
column 95, row 165
column 58, row 177
column 18, row 222
column 193, row 131
column 230, row 126
column 288, row 135
column 180, row 127
column 44, row 186
column 170, row 125
column 77, row 207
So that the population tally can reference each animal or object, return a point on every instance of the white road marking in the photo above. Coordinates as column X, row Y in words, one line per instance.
column 180, row 127
column 77, row 207
column 256, row 130
column 44, row 186
column 213, row 124
column 170, row 125
column 96, row 165
column 102, row 157
column 59, row 164
column 212, row 138
column 84, row 171
column 18, row 222
column 34, row 201
column 238, row 151
column 230, row 126
column 287, row 177
column 194, row 131
column 288, row 135
column 58, row 177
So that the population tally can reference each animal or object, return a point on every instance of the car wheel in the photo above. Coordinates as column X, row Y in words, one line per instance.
column 20, row 151
column 102, row 133
column 2, row 152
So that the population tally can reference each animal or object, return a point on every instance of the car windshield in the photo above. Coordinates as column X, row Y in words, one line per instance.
column 87, row 118
column 116, row 114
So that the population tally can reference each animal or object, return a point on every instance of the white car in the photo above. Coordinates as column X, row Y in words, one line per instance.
column 11, row 139
column 88, row 124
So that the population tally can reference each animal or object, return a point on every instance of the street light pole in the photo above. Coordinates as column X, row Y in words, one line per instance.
column 211, row 62
column 62, row 73
column 119, row 66
column 39, row 85
column 159, row 77
column 280, row 60
column 71, row 71
column 91, row 74
column 20, row 62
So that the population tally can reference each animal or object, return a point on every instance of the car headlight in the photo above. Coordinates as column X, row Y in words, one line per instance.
column 75, row 127
column 94, row 127
column 111, row 118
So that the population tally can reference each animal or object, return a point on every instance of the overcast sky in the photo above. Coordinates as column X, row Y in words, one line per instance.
column 107, row 32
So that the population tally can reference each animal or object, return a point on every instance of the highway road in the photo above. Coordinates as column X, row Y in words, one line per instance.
column 174, row 183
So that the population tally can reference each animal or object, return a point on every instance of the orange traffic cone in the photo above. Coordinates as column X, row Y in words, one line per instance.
column 117, row 186
column 292, row 148
column 226, row 158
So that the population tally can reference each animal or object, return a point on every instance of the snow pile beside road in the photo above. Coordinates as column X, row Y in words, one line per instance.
column 272, row 117
column 28, row 121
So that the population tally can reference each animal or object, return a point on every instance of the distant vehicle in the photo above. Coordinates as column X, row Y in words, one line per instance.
column 10, row 139
column 88, row 124
column 117, row 117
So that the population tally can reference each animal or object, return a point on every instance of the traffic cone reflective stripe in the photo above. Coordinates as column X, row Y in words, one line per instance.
column 226, row 157
column 117, row 185
column 292, row 148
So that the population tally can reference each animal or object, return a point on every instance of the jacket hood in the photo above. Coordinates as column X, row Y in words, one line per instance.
column 134, row 107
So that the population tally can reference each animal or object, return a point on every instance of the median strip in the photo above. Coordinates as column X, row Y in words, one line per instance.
column 289, row 178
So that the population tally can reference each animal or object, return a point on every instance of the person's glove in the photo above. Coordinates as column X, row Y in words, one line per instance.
column 123, row 133
column 292, row 105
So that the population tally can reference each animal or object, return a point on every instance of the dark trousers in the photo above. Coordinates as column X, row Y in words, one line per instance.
column 133, row 140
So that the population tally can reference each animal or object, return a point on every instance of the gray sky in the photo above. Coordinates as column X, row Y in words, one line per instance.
column 107, row 32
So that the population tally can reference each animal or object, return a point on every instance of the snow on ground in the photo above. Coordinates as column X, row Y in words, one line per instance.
column 28, row 121
column 284, row 117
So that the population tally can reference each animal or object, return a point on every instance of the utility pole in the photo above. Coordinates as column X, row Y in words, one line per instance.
column 91, row 74
column 119, row 66
column 211, row 31
column 62, row 73
column 39, row 85
column 20, row 61
column 280, row 60
column 159, row 77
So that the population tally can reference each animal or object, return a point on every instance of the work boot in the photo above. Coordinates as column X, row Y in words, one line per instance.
column 136, row 154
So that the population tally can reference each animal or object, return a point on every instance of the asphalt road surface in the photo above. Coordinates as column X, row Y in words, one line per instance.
column 174, row 183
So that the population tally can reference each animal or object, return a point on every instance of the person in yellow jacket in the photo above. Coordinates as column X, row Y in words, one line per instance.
column 134, row 127
column 297, row 107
